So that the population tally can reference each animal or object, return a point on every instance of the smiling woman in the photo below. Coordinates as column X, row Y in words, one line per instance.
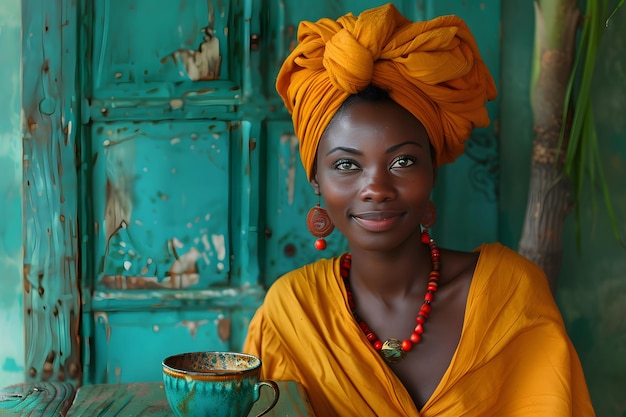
column 399, row 326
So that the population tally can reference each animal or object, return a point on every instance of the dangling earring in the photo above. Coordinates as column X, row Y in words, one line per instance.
column 319, row 224
column 428, row 221
column 430, row 216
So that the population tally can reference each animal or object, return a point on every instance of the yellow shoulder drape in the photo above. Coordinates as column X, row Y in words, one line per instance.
column 514, row 357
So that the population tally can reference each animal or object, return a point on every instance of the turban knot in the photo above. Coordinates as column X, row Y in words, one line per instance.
column 350, row 75
column 433, row 69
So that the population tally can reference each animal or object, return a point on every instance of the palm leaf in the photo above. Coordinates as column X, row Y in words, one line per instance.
column 620, row 4
column 582, row 156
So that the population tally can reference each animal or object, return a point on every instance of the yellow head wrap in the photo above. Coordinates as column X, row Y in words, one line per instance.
column 433, row 69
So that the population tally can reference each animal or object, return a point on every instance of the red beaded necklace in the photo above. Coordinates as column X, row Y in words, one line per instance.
column 392, row 350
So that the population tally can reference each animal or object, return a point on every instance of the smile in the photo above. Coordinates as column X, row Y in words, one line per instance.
column 378, row 221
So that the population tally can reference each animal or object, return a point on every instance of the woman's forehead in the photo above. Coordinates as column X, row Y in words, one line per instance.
column 385, row 121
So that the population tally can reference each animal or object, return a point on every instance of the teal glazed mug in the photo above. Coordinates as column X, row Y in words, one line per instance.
column 215, row 384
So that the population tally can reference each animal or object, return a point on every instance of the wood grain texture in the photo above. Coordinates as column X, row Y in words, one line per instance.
column 36, row 399
column 148, row 399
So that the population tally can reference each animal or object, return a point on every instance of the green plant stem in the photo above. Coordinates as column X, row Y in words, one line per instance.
column 582, row 157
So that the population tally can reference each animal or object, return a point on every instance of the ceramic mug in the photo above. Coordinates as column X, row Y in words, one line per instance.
column 216, row 384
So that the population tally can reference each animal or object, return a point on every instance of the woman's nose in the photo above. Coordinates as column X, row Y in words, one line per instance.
column 378, row 186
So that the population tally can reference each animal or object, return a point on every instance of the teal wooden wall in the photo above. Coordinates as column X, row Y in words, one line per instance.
column 11, row 260
column 592, row 284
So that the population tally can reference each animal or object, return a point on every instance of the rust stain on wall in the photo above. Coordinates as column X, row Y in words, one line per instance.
column 223, row 329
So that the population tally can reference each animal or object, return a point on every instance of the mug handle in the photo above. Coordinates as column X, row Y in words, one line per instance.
column 274, row 387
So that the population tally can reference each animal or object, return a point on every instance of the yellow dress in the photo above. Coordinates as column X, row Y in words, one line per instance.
column 514, row 357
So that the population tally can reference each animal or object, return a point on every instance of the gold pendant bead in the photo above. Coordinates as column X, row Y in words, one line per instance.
column 392, row 351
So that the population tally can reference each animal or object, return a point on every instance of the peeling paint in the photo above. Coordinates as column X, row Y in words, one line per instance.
column 193, row 326
column 102, row 317
column 200, row 64
column 143, row 212
column 219, row 245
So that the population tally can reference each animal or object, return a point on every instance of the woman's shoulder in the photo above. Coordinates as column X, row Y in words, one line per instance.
column 498, row 256
column 502, row 271
column 491, row 262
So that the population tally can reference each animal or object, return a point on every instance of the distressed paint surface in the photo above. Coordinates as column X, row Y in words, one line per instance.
column 51, row 288
column 190, row 70
column 171, row 219
column 160, row 195
column 12, row 349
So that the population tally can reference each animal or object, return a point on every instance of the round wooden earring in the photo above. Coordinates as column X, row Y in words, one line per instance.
column 319, row 224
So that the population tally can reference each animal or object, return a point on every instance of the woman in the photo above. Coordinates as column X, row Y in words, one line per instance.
column 397, row 326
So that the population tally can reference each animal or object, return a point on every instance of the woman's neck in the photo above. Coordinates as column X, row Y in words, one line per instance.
column 398, row 273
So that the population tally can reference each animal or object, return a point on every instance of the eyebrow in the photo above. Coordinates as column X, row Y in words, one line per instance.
column 357, row 152
column 400, row 145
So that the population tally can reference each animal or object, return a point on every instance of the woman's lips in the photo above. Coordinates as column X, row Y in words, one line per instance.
column 379, row 221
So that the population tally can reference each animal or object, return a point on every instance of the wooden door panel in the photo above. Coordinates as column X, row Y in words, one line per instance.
column 131, row 346
column 162, row 59
column 161, row 199
column 172, row 262
column 145, row 41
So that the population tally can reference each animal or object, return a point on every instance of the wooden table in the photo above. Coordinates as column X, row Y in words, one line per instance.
column 47, row 399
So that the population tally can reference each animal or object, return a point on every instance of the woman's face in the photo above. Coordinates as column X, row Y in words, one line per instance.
column 375, row 173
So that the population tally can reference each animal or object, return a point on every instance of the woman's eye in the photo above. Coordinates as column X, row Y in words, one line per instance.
column 345, row 165
column 403, row 162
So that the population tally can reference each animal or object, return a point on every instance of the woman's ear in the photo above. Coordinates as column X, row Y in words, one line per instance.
column 313, row 178
column 315, row 184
